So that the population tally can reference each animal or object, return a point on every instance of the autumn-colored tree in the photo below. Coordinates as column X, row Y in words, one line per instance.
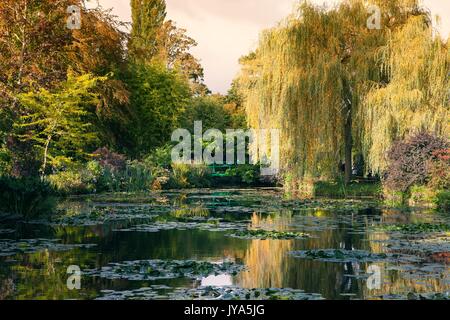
column 317, row 75
column 38, row 49
column 148, row 18
column 58, row 123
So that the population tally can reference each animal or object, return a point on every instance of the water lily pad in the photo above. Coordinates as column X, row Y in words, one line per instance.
column 416, row 228
column 209, row 225
column 7, row 231
column 264, row 235
column 102, row 215
column 12, row 247
column 417, row 296
column 164, row 269
column 211, row 293
column 342, row 256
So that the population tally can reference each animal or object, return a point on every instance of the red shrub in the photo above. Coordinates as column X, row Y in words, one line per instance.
column 439, row 169
column 409, row 161
column 111, row 160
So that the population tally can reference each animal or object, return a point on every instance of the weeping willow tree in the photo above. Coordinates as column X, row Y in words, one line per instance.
column 310, row 77
column 416, row 94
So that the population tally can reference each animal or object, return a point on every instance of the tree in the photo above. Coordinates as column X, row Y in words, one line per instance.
column 148, row 18
column 37, row 50
column 155, row 40
column 175, row 45
column 158, row 99
column 415, row 95
column 310, row 77
column 210, row 110
column 57, row 123
column 234, row 105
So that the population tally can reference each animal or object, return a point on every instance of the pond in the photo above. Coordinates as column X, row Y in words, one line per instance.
column 226, row 244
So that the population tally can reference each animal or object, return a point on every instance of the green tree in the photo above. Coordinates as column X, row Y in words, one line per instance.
column 36, row 52
column 310, row 77
column 210, row 110
column 416, row 94
column 57, row 123
column 158, row 99
column 148, row 18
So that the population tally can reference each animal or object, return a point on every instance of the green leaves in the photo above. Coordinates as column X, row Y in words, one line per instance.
column 334, row 255
column 158, row 99
column 416, row 228
column 59, row 123
column 273, row 235
column 164, row 269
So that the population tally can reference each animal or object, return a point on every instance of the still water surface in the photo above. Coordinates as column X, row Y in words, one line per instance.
column 106, row 223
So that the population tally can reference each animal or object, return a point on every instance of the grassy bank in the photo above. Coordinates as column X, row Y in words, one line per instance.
column 353, row 190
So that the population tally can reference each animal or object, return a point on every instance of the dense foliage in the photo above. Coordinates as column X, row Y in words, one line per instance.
column 93, row 109
column 27, row 197
column 338, row 90
column 411, row 162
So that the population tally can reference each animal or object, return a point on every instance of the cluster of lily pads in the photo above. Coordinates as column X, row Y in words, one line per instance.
column 209, row 293
column 10, row 247
column 7, row 231
column 102, row 215
column 417, row 296
column 207, row 225
column 416, row 228
column 343, row 256
column 164, row 269
column 264, row 235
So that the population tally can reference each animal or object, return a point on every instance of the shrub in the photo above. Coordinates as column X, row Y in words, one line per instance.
column 137, row 176
column 422, row 195
column 248, row 174
column 28, row 197
column 395, row 198
column 339, row 189
column 111, row 160
column 161, row 157
column 77, row 179
column 409, row 161
column 68, row 182
column 179, row 177
column 439, row 170
column 5, row 161
column 443, row 201
column 187, row 176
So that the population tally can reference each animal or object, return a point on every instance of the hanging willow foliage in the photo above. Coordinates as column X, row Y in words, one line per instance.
column 315, row 74
column 416, row 96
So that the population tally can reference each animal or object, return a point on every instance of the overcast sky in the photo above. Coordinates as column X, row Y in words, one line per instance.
column 227, row 29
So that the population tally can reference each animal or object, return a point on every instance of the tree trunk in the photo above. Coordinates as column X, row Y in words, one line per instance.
column 348, row 138
column 348, row 149
column 44, row 164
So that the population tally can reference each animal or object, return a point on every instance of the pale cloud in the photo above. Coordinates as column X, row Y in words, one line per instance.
column 227, row 29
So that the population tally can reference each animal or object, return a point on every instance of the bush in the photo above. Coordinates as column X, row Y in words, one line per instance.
column 137, row 176
column 340, row 190
column 188, row 176
column 5, row 161
column 68, row 182
column 248, row 174
column 110, row 160
column 409, row 161
column 443, row 201
column 394, row 198
column 422, row 195
column 77, row 180
column 28, row 197
column 439, row 170
column 161, row 157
